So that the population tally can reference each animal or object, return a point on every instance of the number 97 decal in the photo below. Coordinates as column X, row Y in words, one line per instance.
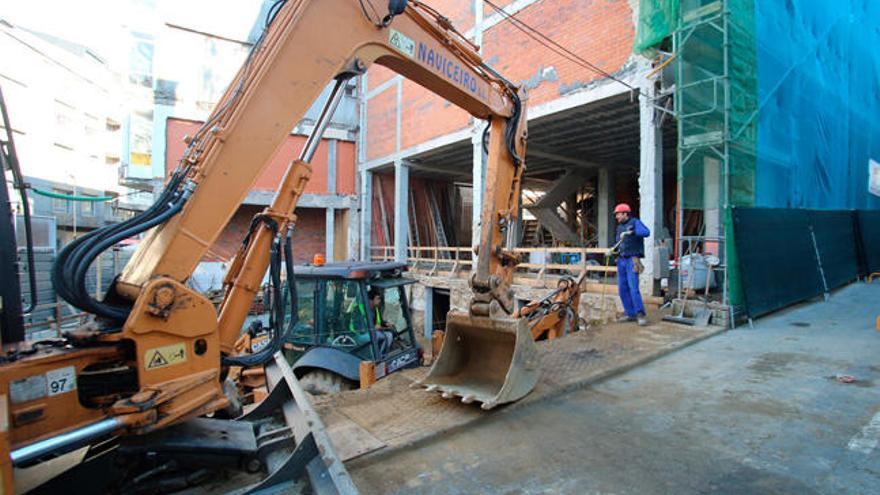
column 61, row 380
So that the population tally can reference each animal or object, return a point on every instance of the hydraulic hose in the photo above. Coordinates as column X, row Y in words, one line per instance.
column 291, row 281
column 103, row 309
column 70, row 271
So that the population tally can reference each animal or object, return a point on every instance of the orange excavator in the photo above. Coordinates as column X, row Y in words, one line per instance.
column 150, row 368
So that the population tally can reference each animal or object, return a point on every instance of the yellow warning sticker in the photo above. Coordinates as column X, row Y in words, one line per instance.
column 402, row 42
column 160, row 357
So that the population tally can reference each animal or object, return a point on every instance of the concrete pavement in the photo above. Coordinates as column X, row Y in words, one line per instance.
column 749, row 411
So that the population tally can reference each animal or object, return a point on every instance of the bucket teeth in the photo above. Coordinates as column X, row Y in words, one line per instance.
column 467, row 399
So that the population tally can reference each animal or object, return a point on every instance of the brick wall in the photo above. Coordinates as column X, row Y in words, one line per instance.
column 176, row 129
column 425, row 115
column 600, row 31
column 308, row 237
column 382, row 124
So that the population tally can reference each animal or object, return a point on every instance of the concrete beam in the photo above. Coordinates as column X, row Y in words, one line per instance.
column 560, row 158
column 264, row 198
column 341, row 134
column 445, row 140
column 382, row 87
column 650, row 177
column 401, row 211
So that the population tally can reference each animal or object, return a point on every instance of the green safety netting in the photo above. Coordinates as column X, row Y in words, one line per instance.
column 777, row 105
column 657, row 20
column 717, row 103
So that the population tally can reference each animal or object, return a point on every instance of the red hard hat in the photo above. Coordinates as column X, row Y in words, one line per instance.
column 622, row 208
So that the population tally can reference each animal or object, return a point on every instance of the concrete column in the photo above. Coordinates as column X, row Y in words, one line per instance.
column 330, row 213
column 429, row 312
column 605, row 207
column 331, row 166
column 401, row 210
column 650, row 179
column 366, row 204
column 479, row 181
column 364, row 186
column 329, row 233
column 353, row 232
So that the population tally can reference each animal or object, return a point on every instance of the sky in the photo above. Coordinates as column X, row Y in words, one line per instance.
column 98, row 24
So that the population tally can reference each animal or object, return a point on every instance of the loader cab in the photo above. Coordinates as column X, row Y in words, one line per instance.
column 339, row 326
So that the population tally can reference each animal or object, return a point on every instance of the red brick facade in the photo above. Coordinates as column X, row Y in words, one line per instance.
column 308, row 237
column 600, row 31
column 382, row 124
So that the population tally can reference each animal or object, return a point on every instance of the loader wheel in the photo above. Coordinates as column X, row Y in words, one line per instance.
column 323, row 382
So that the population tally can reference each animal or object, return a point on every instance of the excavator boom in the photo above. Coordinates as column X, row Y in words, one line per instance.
column 157, row 353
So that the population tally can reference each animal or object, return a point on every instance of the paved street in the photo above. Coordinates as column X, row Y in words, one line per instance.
column 751, row 410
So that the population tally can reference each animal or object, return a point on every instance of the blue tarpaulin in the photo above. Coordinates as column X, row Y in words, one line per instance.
column 818, row 115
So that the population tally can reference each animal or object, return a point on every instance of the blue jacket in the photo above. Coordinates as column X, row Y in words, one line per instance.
column 633, row 245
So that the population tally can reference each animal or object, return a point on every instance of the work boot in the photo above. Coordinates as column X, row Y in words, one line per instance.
column 625, row 319
column 643, row 320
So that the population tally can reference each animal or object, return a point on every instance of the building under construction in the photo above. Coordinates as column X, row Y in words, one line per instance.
column 336, row 283
column 685, row 110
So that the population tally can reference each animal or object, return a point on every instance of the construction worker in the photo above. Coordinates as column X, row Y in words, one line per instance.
column 631, row 233
column 382, row 329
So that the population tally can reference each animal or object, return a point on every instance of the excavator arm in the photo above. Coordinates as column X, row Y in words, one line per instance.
column 157, row 352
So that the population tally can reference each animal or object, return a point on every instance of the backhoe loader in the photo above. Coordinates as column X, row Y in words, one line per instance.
column 151, row 365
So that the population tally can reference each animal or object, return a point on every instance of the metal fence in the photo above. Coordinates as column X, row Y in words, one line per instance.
column 52, row 315
column 533, row 262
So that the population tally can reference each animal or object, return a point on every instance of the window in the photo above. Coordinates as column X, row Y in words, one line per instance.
column 305, row 303
column 87, row 208
column 59, row 204
column 344, row 311
column 141, row 61
column 93, row 142
column 65, row 124
column 141, row 141
column 392, row 311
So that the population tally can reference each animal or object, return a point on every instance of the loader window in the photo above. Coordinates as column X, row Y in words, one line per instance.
column 393, row 312
column 344, row 315
column 305, row 299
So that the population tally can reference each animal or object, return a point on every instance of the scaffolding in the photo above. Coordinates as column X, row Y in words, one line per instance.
column 714, row 90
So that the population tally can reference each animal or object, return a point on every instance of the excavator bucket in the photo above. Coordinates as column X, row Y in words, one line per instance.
column 492, row 361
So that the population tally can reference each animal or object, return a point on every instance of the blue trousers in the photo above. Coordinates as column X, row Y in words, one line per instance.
column 628, row 287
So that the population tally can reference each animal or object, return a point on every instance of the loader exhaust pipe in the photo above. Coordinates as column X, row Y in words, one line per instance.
column 491, row 361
